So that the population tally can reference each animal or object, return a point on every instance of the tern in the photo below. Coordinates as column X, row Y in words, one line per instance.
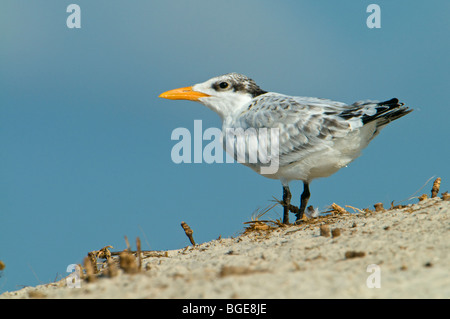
column 317, row 136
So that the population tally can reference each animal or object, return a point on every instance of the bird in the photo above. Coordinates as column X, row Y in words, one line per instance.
column 316, row 136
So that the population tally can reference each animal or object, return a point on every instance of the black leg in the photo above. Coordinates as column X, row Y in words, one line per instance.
column 286, row 202
column 303, row 200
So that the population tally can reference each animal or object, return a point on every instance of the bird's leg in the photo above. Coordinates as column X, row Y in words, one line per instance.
column 303, row 201
column 286, row 203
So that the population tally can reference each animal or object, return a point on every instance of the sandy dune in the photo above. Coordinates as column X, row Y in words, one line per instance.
column 405, row 252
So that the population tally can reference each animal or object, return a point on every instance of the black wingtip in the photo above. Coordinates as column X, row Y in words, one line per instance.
column 391, row 103
column 388, row 111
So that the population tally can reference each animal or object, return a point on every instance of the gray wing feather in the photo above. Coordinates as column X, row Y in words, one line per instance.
column 306, row 124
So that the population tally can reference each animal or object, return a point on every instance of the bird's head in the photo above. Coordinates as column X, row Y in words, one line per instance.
column 225, row 94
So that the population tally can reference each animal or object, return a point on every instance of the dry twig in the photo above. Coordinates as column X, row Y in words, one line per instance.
column 188, row 232
column 378, row 207
column 336, row 209
column 445, row 196
column 356, row 209
column 127, row 262
column 138, row 247
column 128, row 243
column 436, row 186
column 111, row 270
column 256, row 224
column 90, row 265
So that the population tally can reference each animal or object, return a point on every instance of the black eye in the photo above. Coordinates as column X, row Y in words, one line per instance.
column 223, row 85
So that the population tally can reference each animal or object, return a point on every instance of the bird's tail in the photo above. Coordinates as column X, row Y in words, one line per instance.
column 386, row 112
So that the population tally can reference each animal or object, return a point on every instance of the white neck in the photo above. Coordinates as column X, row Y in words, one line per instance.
column 227, row 105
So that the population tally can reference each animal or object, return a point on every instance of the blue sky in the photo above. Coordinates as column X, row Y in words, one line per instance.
column 85, row 140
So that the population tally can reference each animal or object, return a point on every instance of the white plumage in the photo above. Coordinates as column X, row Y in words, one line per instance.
column 316, row 138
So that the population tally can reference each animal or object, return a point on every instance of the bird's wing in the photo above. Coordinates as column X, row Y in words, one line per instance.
column 306, row 125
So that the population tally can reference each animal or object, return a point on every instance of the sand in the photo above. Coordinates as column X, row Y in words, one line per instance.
column 396, row 253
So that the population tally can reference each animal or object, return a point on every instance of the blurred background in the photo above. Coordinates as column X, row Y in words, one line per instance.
column 85, row 142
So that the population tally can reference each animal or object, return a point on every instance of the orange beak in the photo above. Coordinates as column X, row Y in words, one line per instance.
column 183, row 94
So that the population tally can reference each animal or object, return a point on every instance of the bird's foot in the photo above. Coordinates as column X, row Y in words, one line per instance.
column 298, row 222
column 299, row 215
column 296, row 211
column 291, row 208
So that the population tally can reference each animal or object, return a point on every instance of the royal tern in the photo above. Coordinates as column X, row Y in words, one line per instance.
column 316, row 138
